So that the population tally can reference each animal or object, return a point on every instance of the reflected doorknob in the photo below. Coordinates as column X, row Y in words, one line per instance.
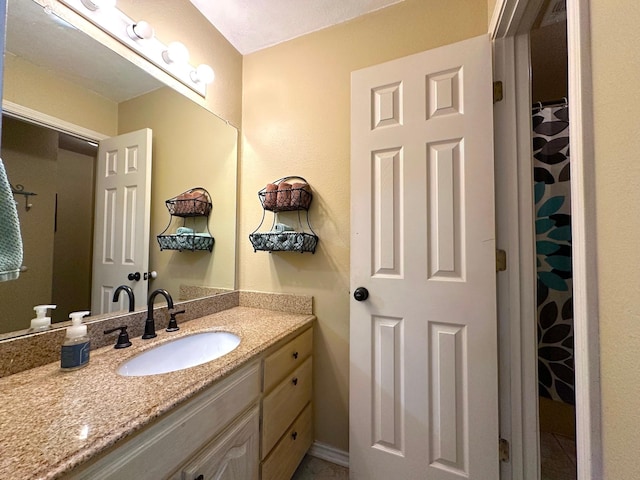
column 134, row 276
column 361, row 294
column 152, row 274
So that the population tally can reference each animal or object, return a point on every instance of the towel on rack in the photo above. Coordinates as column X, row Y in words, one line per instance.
column 284, row 195
column 281, row 227
column 10, row 239
column 270, row 196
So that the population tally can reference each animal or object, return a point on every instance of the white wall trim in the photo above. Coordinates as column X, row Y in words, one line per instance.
column 21, row 112
column 329, row 453
column 516, row 286
column 585, row 279
column 510, row 18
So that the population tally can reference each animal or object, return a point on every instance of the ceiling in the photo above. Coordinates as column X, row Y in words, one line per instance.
column 252, row 25
column 249, row 25
column 44, row 40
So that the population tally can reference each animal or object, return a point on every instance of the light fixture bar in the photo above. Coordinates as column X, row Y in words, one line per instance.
column 115, row 23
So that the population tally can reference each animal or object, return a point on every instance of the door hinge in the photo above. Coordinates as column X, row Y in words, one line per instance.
column 501, row 260
column 504, row 450
column 497, row 91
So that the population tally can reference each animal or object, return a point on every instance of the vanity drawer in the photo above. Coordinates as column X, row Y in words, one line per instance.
column 287, row 454
column 284, row 403
column 283, row 361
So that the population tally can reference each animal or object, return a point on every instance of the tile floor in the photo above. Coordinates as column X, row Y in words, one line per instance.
column 557, row 457
column 312, row 468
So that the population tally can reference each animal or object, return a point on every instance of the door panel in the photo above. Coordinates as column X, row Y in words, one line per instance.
column 423, row 393
column 122, row 220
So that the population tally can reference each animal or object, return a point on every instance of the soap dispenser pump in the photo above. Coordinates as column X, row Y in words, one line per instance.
column 75, row 349
column 41, row 322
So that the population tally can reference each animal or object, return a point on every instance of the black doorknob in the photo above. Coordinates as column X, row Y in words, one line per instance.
column 134, row 276
column 361, row 294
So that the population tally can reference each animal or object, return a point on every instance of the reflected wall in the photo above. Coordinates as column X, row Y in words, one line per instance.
column 191, row 148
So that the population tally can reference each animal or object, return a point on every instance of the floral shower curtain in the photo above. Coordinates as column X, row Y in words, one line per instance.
column 553, row 247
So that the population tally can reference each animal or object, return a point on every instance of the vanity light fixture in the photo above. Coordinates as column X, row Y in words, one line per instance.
column 176, row 52
column 140, row 37
column 94, row 5
column 140, row 31
column 203, row 74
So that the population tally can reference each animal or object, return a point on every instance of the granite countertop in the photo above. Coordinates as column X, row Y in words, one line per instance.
column 52, row 420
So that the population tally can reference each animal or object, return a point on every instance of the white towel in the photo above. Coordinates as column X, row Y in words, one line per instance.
column 280, row 228
column 10, row 239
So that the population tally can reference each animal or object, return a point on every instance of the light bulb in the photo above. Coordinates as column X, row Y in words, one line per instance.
column 176, row 52
column 94, row 5
column 140, row 31
column 203, row 74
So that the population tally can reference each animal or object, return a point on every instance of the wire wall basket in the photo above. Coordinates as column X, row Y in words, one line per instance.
column 288, row 194
column 185, row 242
column 193, row 203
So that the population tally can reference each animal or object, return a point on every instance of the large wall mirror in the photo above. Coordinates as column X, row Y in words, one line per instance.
column 54, row 71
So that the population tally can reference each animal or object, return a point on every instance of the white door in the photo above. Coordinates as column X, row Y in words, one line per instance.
column 423, row 374
column 122, row 219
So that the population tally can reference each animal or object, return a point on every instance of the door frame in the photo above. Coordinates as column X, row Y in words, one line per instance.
column 509, row 28
column 20, row 112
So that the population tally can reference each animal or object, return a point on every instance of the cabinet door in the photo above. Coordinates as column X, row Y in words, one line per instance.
column 233, row 456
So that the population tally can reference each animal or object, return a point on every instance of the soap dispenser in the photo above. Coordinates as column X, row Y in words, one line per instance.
column 41, row 322
column 75, row 349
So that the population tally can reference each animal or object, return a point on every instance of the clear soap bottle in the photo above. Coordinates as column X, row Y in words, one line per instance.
column 41, row 322
column 75, row 348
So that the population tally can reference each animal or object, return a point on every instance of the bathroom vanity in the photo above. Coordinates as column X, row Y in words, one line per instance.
column 246, row 415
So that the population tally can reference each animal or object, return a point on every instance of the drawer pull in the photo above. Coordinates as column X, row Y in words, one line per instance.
column 199, row 477
column 294, row 381
column 295, row 355
column 294, row 435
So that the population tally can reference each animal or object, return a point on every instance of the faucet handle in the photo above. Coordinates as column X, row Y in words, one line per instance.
column 123, row 338
column 173, row 324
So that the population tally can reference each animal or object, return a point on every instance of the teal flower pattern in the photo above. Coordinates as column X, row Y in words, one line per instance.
column 553, row 248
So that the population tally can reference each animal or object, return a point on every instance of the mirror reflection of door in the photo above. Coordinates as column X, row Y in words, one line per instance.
column 122, row 219
column 57, row 229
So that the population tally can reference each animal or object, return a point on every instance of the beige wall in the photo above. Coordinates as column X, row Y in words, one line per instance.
column 73, row 239
column 616, row 69
column 191, row 148
column 179, row 20
column 296, row 118
column 34, row 87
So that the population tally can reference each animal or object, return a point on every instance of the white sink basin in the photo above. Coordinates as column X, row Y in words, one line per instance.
column 181, row 353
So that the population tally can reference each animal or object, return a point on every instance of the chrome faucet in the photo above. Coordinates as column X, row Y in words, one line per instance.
column 150, row 324
column 126, row 288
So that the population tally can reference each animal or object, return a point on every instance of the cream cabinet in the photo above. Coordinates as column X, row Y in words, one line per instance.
column 212, row 421
column 287, row 431
column 231, row 457
column 254, row 424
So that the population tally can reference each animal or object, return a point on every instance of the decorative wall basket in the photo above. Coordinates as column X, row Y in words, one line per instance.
column 193, row 203
column 288, row 194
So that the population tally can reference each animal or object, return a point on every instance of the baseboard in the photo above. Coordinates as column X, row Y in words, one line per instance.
column 329, row 453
